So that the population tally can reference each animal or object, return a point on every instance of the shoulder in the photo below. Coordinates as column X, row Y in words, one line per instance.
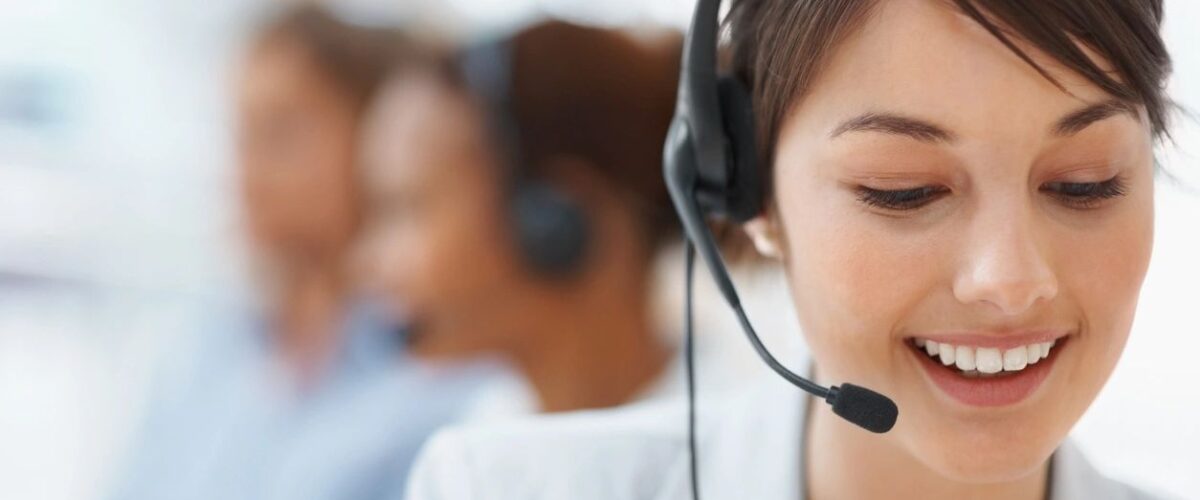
column 639, row 451
column 602, row 454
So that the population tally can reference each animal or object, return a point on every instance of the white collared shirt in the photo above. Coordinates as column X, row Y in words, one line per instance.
column 750, row 448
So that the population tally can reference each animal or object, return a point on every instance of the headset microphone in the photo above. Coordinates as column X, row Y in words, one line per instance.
column 709, row 162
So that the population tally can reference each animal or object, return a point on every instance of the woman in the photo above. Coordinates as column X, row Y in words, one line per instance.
column 313, row 396
column 308, row 78
column 518, row 209
column 961, row 194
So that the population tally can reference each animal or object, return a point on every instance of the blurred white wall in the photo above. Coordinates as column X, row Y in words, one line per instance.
column 116, row 216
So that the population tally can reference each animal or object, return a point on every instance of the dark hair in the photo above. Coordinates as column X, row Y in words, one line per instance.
column 778, row 47
column 600, row 96
column 596, row 95
column 357, row 59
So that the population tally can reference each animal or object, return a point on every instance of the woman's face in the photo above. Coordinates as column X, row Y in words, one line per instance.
column 436, row 242
column 932, row 186
column 296, row 153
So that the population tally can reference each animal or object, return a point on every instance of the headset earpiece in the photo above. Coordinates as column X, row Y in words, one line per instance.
column 744, row 194
column 550, row 228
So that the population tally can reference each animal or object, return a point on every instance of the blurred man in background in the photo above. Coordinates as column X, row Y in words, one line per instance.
column 314, row 396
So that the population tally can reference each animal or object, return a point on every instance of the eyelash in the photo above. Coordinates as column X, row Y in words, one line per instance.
column 1086, row 195
column 903, row 199
column 1079, row 195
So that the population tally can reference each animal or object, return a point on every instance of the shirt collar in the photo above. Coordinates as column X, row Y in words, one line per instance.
column 749, row 446
column 1073, row 477
column 752, row 447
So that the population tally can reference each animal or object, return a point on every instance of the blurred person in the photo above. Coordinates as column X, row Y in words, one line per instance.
column 314, row 396
column 306, row 82
column 962, row 197
column 518, row 211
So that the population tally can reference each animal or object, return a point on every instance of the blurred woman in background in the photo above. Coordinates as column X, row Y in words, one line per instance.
column 313, row 396
column 518, row 208
column 306, row 81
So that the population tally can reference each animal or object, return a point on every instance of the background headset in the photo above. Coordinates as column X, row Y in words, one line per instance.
column 710, row 165
column 551, row 230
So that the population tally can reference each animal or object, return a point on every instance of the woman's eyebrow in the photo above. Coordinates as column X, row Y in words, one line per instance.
column 895, row 124
column 1080, row 119
column 924, row 131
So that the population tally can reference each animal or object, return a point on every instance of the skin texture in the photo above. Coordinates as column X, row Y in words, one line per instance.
column 296, row 154
column 994, row 253
column 438, row 245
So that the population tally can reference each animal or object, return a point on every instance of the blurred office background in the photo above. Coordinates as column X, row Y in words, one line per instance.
column 119, row 227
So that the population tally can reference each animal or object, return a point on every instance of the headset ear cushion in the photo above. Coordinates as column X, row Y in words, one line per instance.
column 551, row 229
column 744, row 195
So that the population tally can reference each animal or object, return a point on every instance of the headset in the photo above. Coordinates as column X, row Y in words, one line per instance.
column 551, row 230
column 710, row 166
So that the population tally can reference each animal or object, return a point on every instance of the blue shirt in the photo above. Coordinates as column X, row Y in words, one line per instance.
column 226, row 422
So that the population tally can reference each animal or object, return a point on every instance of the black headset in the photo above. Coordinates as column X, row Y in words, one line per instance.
column 711, row 170
column 551, row 230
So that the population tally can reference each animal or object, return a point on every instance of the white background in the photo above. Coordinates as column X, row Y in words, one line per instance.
column 116, row 216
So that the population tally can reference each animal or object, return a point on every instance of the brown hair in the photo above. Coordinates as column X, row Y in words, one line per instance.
column 778, row 47
column 600, row 96
column 595, row 95
column 356, row 59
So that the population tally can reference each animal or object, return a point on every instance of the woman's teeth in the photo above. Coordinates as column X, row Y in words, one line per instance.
column 985, row 361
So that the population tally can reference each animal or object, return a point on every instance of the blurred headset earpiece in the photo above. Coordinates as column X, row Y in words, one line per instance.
column 551, row 230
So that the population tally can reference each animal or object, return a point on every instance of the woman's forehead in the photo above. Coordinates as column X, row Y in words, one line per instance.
column 422, row 129
column 927, row 59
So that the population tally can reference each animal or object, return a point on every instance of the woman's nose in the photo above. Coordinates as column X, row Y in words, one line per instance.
column 1006, row 266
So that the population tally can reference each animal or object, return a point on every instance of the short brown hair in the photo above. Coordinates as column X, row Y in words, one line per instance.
column 597, row 95
column 778, row 47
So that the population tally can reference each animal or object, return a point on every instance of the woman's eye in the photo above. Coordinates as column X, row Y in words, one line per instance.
column 903, row 199
column 1085, row 194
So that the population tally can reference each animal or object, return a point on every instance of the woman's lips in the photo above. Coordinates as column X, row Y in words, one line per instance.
column 993, row 377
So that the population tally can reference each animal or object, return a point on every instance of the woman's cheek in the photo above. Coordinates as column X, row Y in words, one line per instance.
column 853, row 282
column 1102, row 271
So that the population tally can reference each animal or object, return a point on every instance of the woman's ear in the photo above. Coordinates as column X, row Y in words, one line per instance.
column 761, row 231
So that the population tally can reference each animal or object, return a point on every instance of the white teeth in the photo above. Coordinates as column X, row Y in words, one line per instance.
column 1015, row 359
column 983, row 361
column 987, row 360
column 964, row 358
column 931, row 348
column 947, row 352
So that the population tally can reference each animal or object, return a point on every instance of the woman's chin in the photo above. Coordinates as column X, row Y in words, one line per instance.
column 431, row 343
column 984, row 452
column 979, row 430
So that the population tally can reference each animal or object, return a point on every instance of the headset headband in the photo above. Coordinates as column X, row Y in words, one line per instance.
column 486, row 71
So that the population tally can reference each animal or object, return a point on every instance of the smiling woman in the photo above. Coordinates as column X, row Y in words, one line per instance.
column 963, row 221
column 961, row 194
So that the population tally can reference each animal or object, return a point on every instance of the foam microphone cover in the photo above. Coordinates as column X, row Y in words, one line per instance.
column 865, row 408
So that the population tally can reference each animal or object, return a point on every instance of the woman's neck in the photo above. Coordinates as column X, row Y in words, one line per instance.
column 845, row 462
column 592, row 358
